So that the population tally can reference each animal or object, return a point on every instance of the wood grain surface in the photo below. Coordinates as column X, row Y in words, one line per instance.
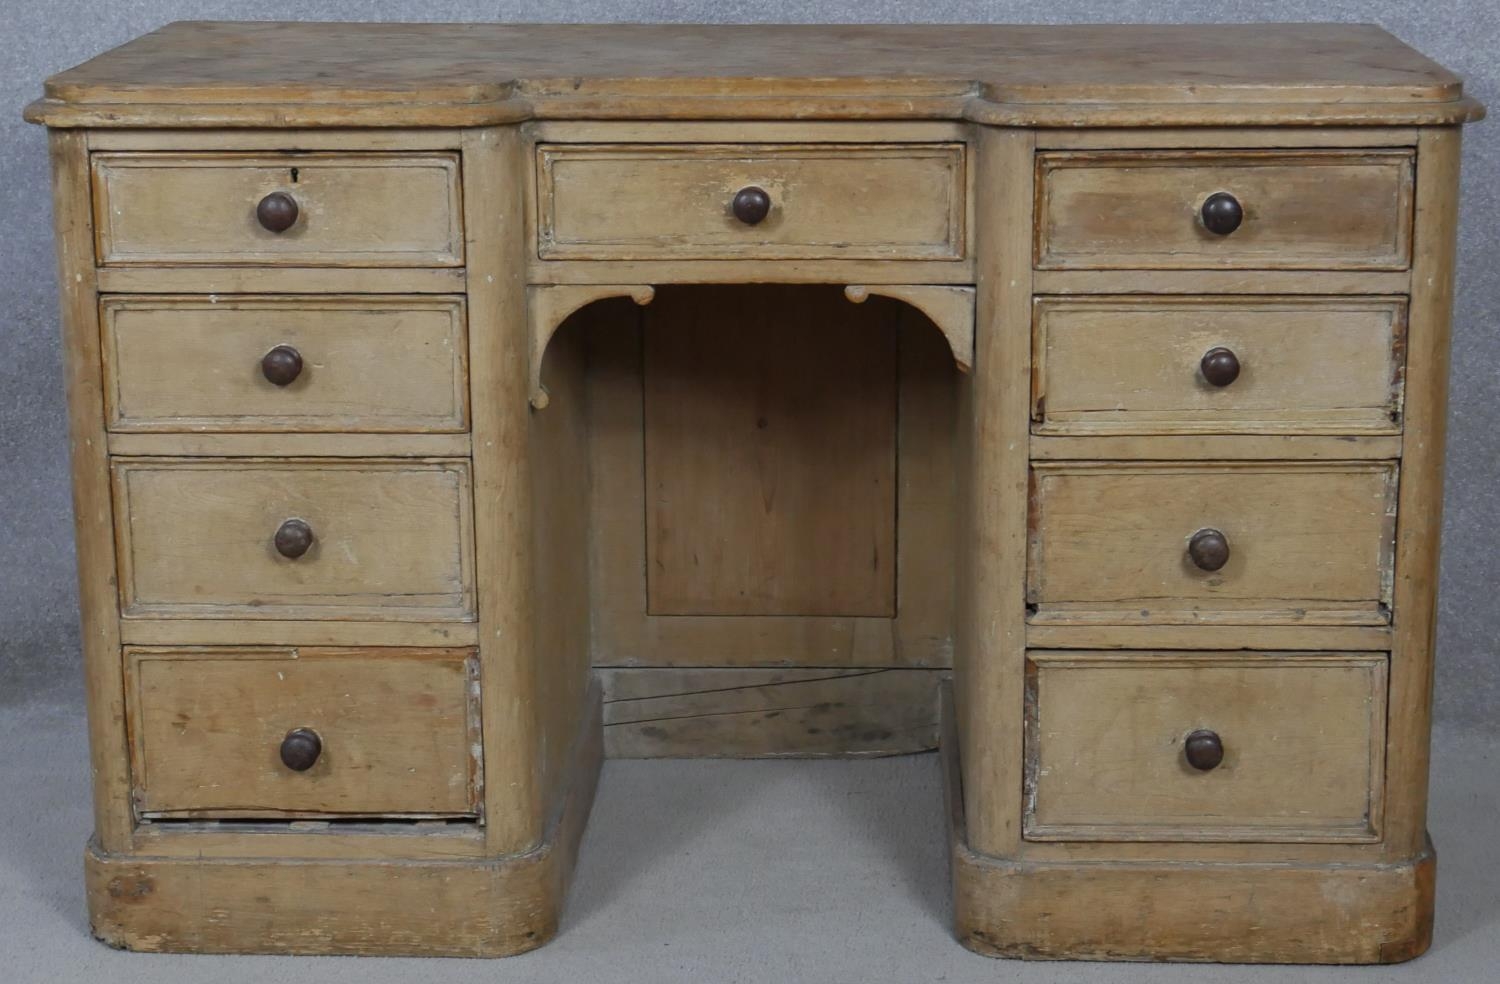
column 382, row 364
column 477, row 74
column 1132, row 365
column 391, row 539
column 1139, row 210
column 1303, row 738
column 399, row 729
column 354, row 209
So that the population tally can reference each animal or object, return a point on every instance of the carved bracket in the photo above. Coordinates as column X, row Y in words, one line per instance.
column 950, row 308
column 549, row 306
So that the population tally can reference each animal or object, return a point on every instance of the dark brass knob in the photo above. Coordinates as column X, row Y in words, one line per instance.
column 751, row 205
column 1204, row 750
column 1220, row 366
column 1221, row 213
column 277, row 211
column 293, row 539
column 300, row 749
column 1208, row 550
column 283, row 364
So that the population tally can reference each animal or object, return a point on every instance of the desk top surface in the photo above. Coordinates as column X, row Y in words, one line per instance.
column 333, row 74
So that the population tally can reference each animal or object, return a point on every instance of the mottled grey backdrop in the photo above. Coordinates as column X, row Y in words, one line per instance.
column 38, row 628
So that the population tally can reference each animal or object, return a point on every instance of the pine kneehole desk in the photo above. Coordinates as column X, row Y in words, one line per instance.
column 428, row 381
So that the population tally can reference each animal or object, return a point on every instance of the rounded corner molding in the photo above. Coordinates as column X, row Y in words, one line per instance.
column 951, row 309
column 549, row 306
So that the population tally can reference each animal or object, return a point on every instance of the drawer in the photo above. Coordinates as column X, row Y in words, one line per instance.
column 400, row 210
column 677, row 201
column 1143, row 210
column 251, row 538
column 287, row 733
column 1226, row 543
column 1127, row 746
column 254, row 363
column 1227, row 365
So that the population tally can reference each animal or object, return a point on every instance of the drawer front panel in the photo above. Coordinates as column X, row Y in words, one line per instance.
column 1124, row 543
column 1299, row 739
column 351, row 209
column 1124, row 365
column 1324, row 209
column 220, row 538
column 195, row 364
column 395, row 732
column 642, row 202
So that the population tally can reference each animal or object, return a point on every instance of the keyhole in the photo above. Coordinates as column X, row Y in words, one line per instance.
column 294, row 175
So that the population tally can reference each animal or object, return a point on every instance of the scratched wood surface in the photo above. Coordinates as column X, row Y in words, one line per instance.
column 768, row 713
column 476, row 74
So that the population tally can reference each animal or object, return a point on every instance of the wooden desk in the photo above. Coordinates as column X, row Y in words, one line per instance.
column 423, row 378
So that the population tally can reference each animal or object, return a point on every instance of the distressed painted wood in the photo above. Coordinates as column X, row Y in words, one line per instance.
column 418, row 839
column 950, row 309
column 311, row 444
column 637, row 201
column 351, row 901
column 522, row 737
column 399, row 732
column 391, row 539
column 1190, row 911
column 193, row 363
column 93, row 505
column 298, row 632
column 215, row 279
column 1308, row 542
column 1333, row 210
column 563, row 604
column 1302, row 737
column 1216, row 447
column 1133, row 365
column 1233, row 282
column 989, row 630
column 354, row 210
column 1419, row 524
column 548, row 307
column 561, row 408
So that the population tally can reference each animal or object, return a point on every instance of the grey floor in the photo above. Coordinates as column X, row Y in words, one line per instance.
column 707, row 872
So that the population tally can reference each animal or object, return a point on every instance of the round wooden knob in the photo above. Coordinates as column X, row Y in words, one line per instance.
column 1204, row 750
column 277, row 211
column 283, row 364
column 293, row 539
column 1222, row 213
column 751, row 205
column 300, row 749
column 1208, row 550
column 1220, row 366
